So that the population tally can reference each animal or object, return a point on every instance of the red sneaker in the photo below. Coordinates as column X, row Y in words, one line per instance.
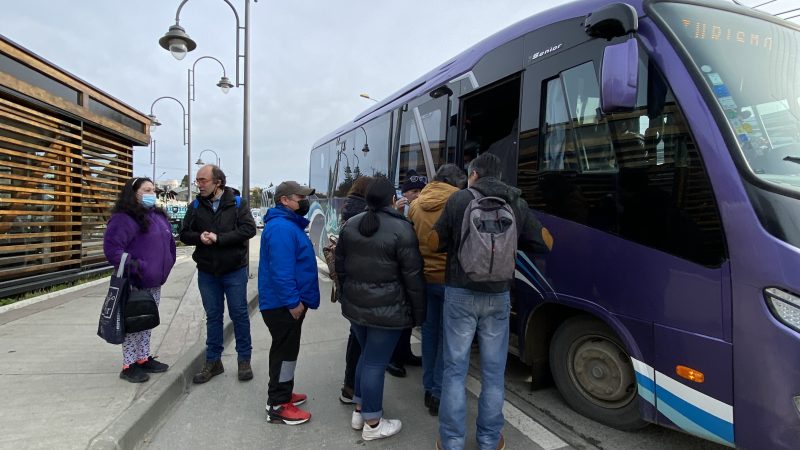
column 288, row 414
column 298, row 399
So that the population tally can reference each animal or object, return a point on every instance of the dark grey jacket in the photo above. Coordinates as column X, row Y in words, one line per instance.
column 449, row 230
column 381, row 275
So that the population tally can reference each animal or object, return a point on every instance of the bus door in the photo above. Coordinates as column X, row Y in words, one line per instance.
column 489, row 122
column 423, row 138
column 638, row 244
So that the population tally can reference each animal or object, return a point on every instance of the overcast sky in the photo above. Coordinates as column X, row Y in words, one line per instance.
column 310, row 60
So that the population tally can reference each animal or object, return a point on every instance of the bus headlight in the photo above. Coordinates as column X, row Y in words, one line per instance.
column 784, row 306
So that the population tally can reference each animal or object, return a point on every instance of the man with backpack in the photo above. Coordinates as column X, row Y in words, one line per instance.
column 480, row 229
column 220, row 225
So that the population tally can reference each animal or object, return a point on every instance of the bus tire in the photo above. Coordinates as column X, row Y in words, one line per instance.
column 593, row 371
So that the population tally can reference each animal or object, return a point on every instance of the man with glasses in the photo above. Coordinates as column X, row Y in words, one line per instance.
column 287, row 288
column 219, row 224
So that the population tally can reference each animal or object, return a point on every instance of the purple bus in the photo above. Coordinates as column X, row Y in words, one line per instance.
column 659, row 142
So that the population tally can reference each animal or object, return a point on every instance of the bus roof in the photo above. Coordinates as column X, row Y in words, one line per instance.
column 466, row 60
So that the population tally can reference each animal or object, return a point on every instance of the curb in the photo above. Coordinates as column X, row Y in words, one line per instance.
column 131, row 428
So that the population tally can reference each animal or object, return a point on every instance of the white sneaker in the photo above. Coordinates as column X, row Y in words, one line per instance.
column 384, row 428
column 357, row 422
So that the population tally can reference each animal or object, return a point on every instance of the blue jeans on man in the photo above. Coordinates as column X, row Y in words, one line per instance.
column 432, row 340
column 214, row 290
column 377, row 346
column 467, row 314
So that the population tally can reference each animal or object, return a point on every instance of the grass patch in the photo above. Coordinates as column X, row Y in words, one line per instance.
column 55, row 288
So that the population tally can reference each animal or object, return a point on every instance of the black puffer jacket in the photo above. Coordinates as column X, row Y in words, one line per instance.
column 381, row 275
column 233, row 225
column 353, row 205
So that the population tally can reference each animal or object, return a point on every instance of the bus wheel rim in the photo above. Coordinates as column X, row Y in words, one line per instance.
column 602, row 372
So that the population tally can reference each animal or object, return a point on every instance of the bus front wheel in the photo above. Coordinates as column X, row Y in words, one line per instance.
column 593, row 372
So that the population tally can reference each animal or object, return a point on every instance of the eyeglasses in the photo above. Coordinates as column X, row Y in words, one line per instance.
column 420, row 178
column 202, row 181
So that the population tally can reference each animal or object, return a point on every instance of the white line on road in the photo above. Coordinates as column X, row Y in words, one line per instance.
column 540, row 435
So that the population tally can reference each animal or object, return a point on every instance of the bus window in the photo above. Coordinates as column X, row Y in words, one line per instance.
column 318, row 173
column 375, row 134
column 637, row 174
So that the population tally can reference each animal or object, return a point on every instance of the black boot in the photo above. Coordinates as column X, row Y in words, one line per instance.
column 209, row 371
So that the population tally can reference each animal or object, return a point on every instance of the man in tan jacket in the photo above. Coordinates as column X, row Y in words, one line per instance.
column 424, row 212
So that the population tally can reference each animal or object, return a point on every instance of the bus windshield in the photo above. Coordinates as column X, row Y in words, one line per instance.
column 751, row 67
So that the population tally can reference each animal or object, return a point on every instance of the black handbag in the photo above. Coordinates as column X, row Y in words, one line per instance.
column 141, row 311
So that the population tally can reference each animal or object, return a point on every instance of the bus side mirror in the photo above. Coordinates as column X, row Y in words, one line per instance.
column 619, row 77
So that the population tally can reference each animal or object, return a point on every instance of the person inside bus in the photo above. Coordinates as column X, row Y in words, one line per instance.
column 379, row 267
column 402, row 354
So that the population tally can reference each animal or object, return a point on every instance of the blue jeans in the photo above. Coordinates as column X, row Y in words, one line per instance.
column 213, row 291
column 432, row 340
column 466, row 314
column 377, row 345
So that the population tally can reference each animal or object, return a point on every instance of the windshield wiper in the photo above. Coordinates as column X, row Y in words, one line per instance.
column 794, row 159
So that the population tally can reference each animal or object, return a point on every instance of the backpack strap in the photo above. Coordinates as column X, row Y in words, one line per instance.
column 196, row 203
column 475, row 193
column 238, row 201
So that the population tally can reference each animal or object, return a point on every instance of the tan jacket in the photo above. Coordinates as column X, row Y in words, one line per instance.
column 424, row 212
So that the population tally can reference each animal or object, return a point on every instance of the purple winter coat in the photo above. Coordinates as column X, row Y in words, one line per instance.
column 153, row 252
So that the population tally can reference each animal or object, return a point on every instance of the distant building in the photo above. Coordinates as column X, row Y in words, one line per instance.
column 66, row 148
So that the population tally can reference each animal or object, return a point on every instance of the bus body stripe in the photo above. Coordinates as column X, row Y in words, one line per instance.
column 687, row 408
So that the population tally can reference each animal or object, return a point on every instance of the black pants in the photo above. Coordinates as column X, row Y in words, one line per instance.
column 351, row 360
column 285, row 331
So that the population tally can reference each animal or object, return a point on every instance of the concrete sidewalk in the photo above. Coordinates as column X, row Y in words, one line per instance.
column 59, row 382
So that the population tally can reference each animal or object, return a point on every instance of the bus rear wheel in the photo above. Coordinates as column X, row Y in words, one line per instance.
column 593, row 372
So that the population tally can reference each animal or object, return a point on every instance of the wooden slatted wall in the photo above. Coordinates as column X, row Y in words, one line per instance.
column 58, row 182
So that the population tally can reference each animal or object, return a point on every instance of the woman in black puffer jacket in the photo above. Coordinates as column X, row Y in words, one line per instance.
column 383, row 291
column 354, row 204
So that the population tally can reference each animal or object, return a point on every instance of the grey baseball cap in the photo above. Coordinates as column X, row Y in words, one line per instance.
column 288, row 188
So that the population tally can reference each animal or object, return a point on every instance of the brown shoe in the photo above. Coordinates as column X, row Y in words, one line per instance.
column 245, row 371
column 438, row 445
column 501, row 444
column 209, row 371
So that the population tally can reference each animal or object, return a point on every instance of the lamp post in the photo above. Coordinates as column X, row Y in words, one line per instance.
column 224, row 84
column 179, row 43
column 187, row 138
column 200, row 158
column 153, row 158
column 366, row 96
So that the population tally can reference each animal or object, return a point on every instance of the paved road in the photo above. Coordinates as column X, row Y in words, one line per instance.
column 229, row 414
column 225, row 413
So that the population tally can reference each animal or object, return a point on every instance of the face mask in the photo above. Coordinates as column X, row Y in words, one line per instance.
column 210, row 197
column 149, row 200
column 304, row 206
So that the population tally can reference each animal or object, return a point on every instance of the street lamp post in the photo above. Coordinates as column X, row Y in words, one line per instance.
column 224, row 84
column 187, row 139
column 179, row 43
column 200, row 157
column 153, row 158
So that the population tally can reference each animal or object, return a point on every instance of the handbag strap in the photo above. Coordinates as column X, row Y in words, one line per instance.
column 121, row 269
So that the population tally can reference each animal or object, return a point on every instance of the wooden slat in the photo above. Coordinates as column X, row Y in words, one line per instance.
column 40, row 202
column 14, row 129
column 62, row 173
column 22, row 212
column 36, row 147
column 43, row 159
column 15, row 272
column 13, row 115
column 17, row 236
column 12, row 176
column 37, row 256
column 16, row 248
column 35, row 113
column 42, row 224
column 96, row 138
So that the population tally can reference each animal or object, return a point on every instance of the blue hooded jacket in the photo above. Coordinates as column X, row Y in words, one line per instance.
column 287, row 267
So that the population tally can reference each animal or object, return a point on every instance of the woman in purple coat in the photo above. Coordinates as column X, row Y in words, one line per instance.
column 140, row 229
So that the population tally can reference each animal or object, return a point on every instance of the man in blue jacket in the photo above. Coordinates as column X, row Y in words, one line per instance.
column 287, row 287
